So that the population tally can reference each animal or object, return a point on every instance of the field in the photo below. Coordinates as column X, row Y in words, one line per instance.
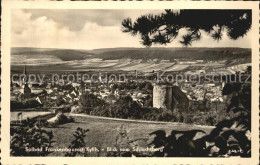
column 105, row 133
column 124, row 59
column 36, row 65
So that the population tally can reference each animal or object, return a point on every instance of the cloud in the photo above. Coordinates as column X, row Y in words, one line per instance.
column 57, row 30
column 18, row 20
column 45, row 32
column 39, row 32
column 96, row 36
column 75, row 19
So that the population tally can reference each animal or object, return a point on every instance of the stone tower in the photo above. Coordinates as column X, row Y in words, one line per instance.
column 162, row 96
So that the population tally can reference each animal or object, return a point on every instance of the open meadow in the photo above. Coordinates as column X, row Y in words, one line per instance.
column 112, row 133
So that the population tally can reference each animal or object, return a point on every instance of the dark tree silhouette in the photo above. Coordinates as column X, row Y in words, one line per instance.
column 164, row 28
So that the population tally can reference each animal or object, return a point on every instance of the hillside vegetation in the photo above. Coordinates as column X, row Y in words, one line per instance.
column 214, row 54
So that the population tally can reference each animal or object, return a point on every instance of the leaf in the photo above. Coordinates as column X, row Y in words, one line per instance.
column 186, row 40
column 217, row 36
column 159, row 139
column 238, row 109
column 221, row 143
column 234, row 103
column 228, row 89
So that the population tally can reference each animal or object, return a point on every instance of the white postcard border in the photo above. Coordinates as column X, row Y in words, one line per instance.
column 7, row 6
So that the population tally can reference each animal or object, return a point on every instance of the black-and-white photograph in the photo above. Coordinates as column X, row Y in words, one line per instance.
column 130, row 82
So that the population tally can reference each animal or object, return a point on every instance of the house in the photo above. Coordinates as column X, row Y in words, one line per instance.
column 200, row 61
column 54, row 98
column 140, row 102
column 67, row 100
column 68, row 96
column 36, row 90
column 40, row 99
column 75, row 84
column 74, row 93
column 49, row 91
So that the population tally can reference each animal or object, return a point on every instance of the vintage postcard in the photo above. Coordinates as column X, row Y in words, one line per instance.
column 130, row 82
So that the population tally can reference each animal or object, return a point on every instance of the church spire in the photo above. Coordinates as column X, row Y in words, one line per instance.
column 24, row 70
column 25, row 74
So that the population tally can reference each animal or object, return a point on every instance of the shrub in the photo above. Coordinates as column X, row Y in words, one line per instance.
column 78, row 143
column 210, row 120
column 16, row 105
column 75, row 109
column 167, row 116
column 88, row 101
column 60, row 118
column 26, row 104
column 30, row 135
column 65, row 109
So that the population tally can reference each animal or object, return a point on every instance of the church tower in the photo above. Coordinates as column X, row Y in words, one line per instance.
column 25, row 80
column 26, row 90
column 82, row 88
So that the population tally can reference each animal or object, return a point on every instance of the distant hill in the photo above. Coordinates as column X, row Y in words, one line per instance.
column 213, row 54
column 63, row 54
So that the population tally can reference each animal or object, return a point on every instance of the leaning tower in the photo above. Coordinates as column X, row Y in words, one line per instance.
column 162, row 96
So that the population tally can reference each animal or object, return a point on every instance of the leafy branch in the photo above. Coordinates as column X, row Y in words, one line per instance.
column 165, row 27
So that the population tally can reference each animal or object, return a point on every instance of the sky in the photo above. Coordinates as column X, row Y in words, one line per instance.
column 90, row 29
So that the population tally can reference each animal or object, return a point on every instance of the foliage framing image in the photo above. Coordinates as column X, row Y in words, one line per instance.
column 164, row 28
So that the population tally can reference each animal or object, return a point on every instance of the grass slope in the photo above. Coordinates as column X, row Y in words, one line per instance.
column 106, row 133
